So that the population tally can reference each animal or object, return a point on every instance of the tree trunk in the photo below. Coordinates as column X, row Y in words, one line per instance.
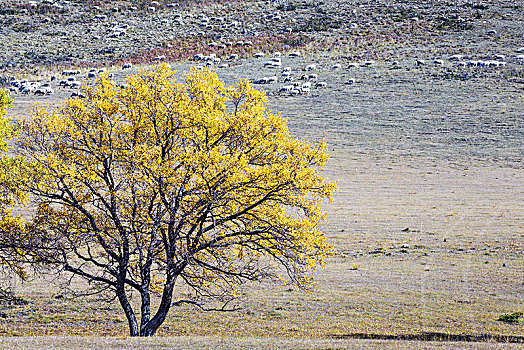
column 165, row 305
column 128, row 310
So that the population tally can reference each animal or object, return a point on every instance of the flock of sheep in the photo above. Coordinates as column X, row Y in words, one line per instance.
column 298, row 81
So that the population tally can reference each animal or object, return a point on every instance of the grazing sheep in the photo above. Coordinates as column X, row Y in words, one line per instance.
column 349, row 82
column 285, row 88
column 295, row 92
column 258, row 55
column 336, row 66
column 310, row 67
column 285, row 75
column 353, row 65
column 223, row 65
column 305, row 91
column 368, row 63
column 159, row 58
column 420, row 63
column 126, row 66
column 438, row 62
column 306, row 85
column 456, row 57
column 294, row 54
column 312, row 77
column 272, row 79
column 321, row 84
column 263, row 80
column 233, row 57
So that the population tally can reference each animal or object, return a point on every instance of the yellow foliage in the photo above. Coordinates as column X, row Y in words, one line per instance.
column 190, row 172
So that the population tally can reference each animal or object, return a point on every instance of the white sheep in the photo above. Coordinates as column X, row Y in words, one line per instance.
column 294, row 54
column 321, row 84
column 258, row 55
column 336, row 66
column 310, row 67
column 286, row 88
column 312, row 77
column 126, row 66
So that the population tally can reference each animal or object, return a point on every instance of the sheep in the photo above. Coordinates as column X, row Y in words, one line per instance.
column 349, row 82
column 151, row 9
column 305, row 91
column 456, row 57
column 419, row 63
column 294, row 54
column 306, row 85
column 272, row 79
column 295, row 92
column 312, row 77
column 159, row 58
column 368, row 63
column 285, row 75
column 263, row 80
column 285, row 88
column 233, row 57
column 438, row 62
column 353, row 65
column 336, row 66
column 126, row 66
column 223, row 65
column 70, row 72
column 310, row 67
column 286, row 69
column 258, row 55
column 461, row 64
column 321, row 84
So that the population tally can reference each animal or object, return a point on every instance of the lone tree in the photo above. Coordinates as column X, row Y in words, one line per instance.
column 10, row 195
column 165, row 182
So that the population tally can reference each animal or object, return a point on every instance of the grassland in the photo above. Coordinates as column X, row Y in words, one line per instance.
column 428, row 223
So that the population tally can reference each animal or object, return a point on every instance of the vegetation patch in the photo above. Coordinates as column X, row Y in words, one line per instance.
column 514, row 318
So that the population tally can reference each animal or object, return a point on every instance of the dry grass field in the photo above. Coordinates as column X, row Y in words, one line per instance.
column 428, row 221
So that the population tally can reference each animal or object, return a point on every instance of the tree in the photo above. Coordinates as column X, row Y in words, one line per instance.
column 10, row 195
column 165, row 182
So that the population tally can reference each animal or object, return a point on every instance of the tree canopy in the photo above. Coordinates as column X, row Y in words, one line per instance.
column 166, row 183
